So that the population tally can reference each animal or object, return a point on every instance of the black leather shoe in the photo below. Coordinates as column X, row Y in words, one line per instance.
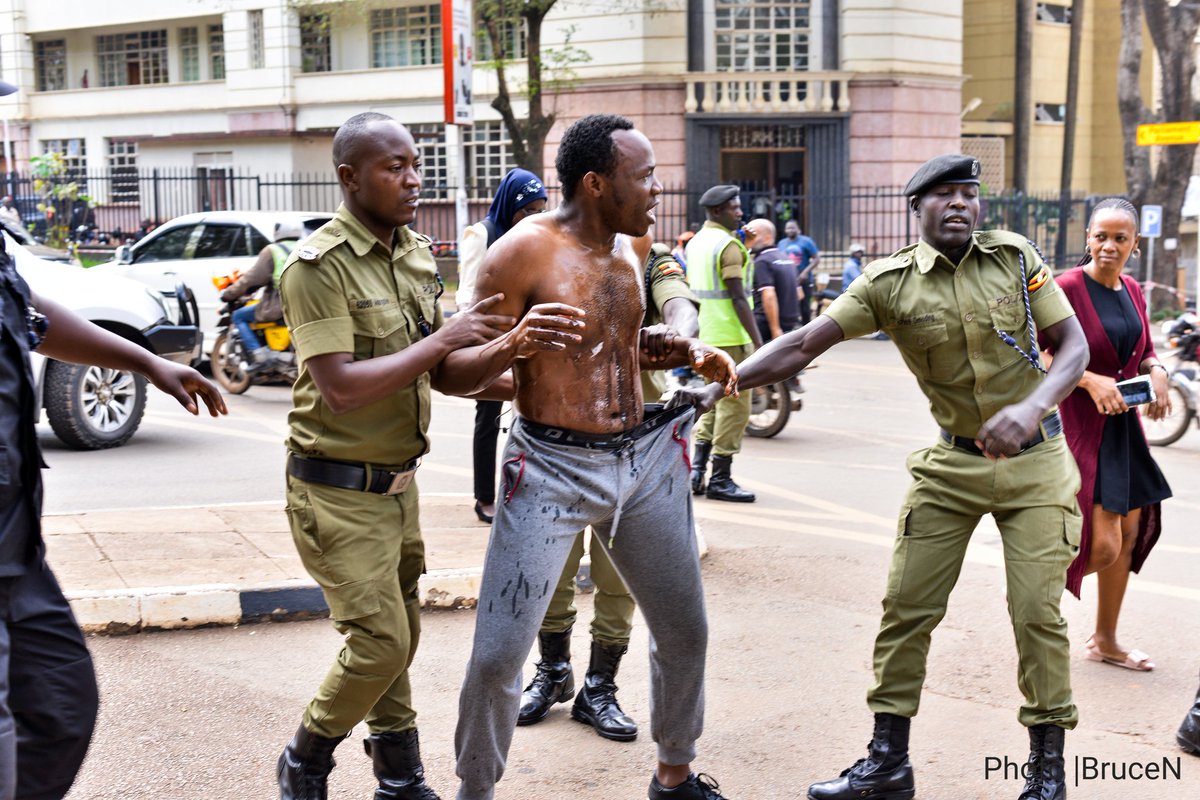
column 700, row 454
column 722, row 487
column 1047, row 775
column 396, row 758
column 596, row 703
column 696, row 787
column 554, row 681
column 1188, row 735
column 481, row 514
column 304, row 766
column 885, row 774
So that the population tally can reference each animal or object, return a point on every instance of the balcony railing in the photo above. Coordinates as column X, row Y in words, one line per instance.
column 763, row 92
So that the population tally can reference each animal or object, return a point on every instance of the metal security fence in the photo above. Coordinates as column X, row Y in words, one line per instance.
column 120, row 200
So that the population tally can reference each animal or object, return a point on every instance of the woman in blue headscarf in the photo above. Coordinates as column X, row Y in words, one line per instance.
column 521, row 194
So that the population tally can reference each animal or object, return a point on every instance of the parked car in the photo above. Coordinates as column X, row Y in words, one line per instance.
column 88, row 407
column 192, row 249
column 26, row 240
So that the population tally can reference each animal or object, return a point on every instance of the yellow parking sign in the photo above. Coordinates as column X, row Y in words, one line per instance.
column 1168, row 133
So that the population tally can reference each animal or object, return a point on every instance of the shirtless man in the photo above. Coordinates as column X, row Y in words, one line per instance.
column 583, row 451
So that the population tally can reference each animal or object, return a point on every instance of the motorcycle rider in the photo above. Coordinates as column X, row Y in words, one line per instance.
column 269, row 308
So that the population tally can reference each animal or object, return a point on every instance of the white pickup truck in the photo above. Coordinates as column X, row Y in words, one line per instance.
column 91, row 408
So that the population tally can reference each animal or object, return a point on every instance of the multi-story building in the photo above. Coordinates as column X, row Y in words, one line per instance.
column 783, row 96
column 990, row 92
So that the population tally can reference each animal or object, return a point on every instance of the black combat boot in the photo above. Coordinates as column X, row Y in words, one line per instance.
column 304, row 766
column 397, row 761
column 1189, row 732
column 596, row 703
column 1045, row 773
column 700, row 454
column 722, row 487
column 554, row 681
column 885, row 774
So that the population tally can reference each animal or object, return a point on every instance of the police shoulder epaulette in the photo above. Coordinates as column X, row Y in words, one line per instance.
column 1000, row 237
column 421, row 239
column 899, row 260
column 659, row 249
column 311, row 248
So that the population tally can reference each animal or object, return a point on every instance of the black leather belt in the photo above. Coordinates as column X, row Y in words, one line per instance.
column 345, row 475
column 657, row 415
column 1050, row 427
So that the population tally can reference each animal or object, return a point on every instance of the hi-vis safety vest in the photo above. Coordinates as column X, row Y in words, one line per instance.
column 719, row 323
column 280, row 252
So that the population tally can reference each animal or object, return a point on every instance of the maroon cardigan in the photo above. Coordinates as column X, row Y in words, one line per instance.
column 1083, row 425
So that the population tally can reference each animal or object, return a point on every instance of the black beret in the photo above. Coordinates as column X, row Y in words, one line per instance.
column 718, row 195
column 950, row 168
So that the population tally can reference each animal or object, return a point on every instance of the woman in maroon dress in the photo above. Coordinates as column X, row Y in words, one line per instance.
column 1122, row 487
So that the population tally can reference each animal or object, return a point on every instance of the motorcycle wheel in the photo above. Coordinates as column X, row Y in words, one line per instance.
column 227, row 365
column 1170, row 428
column 770, row 408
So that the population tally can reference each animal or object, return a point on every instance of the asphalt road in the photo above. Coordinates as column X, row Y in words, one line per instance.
column 793, row 585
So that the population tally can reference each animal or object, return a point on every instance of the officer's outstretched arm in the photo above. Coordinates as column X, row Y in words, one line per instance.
column 784, row 357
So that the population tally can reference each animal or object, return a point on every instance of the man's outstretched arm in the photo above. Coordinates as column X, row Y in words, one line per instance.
column 778, row 360
column 70, row 337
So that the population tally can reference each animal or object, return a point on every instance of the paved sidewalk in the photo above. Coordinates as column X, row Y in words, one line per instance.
column 126, row 571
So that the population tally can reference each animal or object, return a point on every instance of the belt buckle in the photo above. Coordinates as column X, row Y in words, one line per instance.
column 400, row 481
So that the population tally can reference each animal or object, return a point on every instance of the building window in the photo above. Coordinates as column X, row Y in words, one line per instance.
column 74, row 155
column 315, row 53
column 430, row 138
column 762, row 35
column 512, row 39
column 50, row 65
column 189, row 54
column 257, row 45
column 489, row 156
column 216, row 52
column 122, row 166
column 131, row 59
column 409, row 36
column 1055, row 13
column 1050, row 112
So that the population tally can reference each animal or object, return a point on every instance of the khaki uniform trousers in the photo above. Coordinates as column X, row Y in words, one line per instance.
column 725, row 425
column 365, row 552
column 1032, row 498
column 612, row 617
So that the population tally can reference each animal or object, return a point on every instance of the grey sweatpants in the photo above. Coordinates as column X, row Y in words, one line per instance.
column 640, row 496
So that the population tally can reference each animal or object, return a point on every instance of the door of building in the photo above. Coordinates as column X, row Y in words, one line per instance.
column 768, row 163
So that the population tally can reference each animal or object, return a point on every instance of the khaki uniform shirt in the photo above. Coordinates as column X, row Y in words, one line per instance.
column 664, row 281
column 941, row 315
column 344, row 292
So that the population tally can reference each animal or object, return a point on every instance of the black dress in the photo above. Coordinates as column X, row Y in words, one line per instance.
column 1126, row 475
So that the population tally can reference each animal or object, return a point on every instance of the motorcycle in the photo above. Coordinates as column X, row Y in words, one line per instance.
column 1183, row 334
column 770, row 406
column 230, row 358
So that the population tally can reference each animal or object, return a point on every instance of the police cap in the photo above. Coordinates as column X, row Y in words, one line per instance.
column 718, row 195
column 949, row 168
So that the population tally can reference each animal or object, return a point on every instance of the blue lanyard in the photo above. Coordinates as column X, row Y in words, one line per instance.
column 1031, row 355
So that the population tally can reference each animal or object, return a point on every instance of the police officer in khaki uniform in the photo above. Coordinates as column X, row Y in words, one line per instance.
column 964, row 308
column 721, row 273
column 361, row 299
column 669, row 303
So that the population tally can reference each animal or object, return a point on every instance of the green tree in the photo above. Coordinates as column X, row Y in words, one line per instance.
column 57, row 196
column 1173, row 25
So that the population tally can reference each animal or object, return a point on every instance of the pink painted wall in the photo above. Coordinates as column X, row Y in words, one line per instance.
column 897, row 125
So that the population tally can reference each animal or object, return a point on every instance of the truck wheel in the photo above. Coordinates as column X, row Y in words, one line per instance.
column 91, row 408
